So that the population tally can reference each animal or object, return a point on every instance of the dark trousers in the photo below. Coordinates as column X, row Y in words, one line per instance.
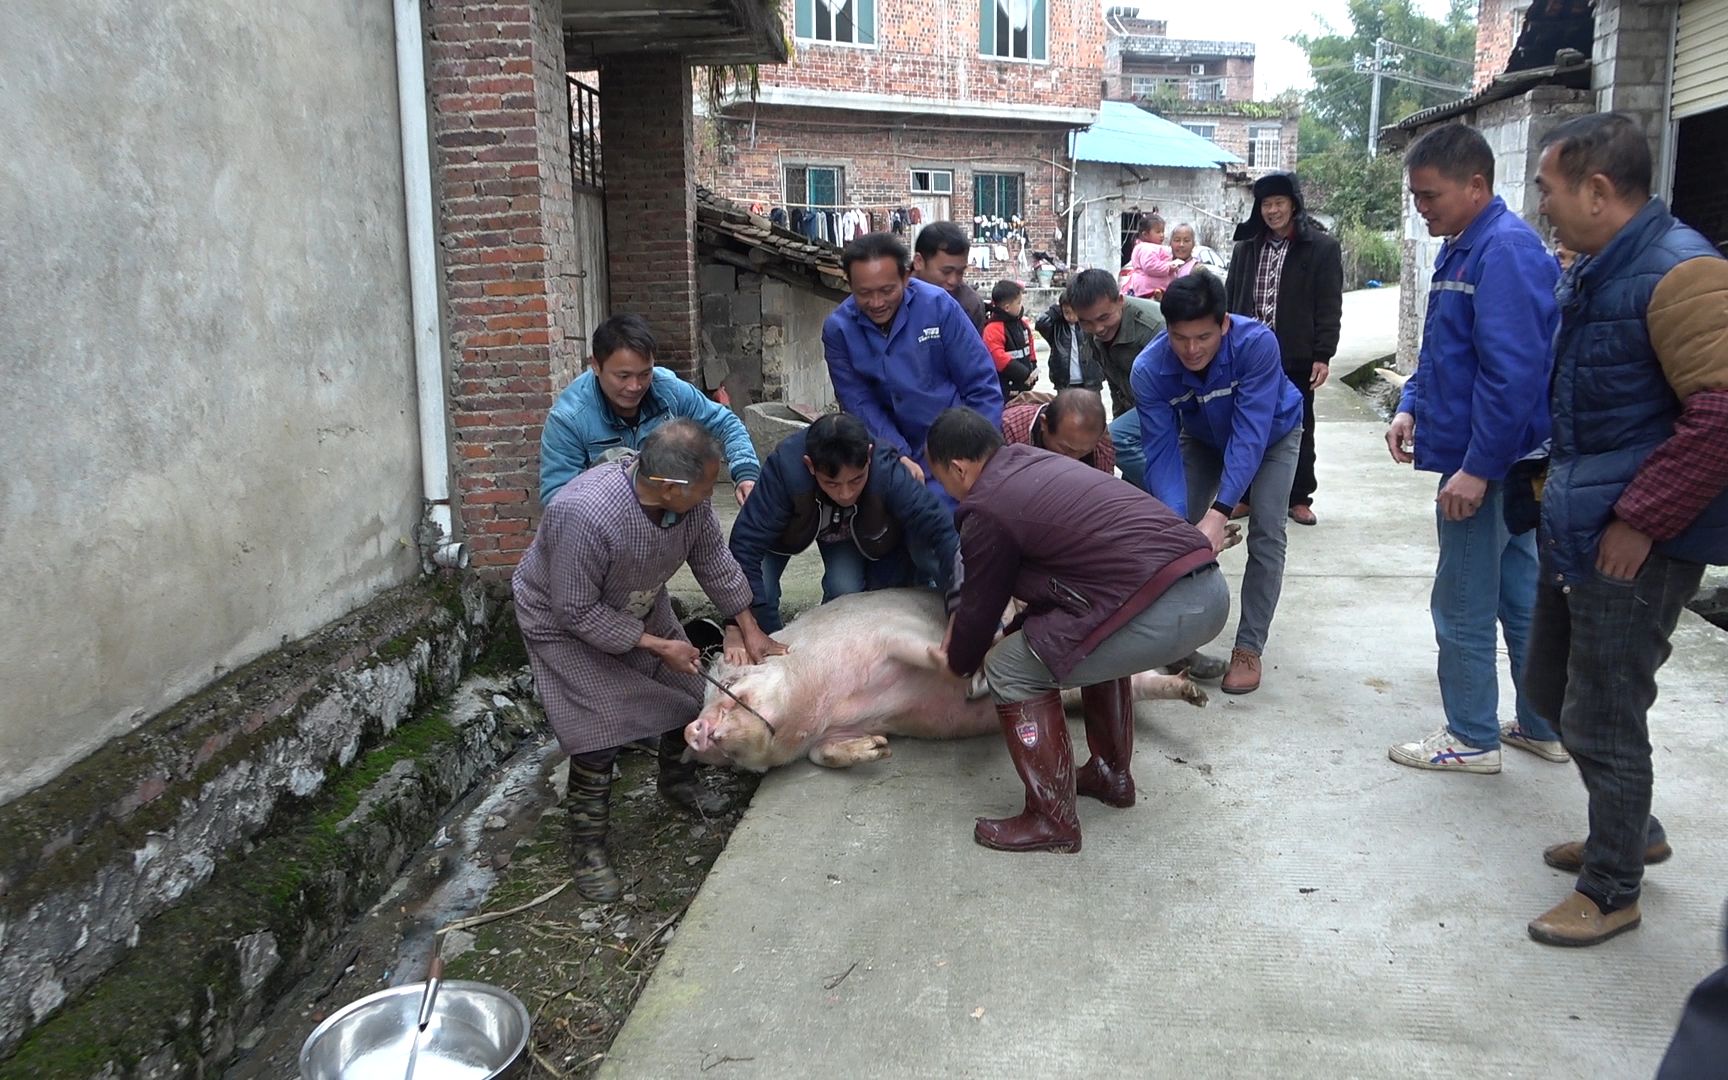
column 1302, row 491
column 1595, row 648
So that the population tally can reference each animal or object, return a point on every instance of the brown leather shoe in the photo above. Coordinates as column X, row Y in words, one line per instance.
column 1240, row 512
column 1576, row 922
column 1244, row 674
column 1570, row 855
column 1037, row 734
column 1303, row 515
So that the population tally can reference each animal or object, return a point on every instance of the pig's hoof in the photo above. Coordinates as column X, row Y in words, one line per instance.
column 847, row 752
column 1193, row 694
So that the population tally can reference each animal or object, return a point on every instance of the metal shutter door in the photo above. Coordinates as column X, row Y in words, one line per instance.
column 1701, row 58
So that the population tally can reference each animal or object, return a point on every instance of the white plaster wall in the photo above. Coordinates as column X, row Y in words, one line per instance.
column 209, row 435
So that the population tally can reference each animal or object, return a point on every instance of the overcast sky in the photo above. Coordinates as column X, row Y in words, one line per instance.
column 1278, row 65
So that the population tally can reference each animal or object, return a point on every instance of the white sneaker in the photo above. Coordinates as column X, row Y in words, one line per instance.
column 1546, row 749
column 1444, row 752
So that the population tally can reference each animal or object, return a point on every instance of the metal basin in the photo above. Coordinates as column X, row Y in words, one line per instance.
column 477, row 1032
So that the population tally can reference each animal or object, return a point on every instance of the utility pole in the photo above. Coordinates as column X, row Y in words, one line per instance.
column 1374, row 97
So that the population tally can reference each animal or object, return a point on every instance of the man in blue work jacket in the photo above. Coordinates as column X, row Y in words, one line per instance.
column 617, row 403
column 1217, row 416
column 1476, row 405
column 901, row 350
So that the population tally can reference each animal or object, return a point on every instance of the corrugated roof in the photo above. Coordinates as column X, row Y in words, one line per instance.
column 1126, row 134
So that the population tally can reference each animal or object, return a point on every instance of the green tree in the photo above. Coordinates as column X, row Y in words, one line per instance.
column 1364, row 194
column 1339, row 101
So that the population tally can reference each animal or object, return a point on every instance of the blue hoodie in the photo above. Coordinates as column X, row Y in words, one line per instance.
column 582, row 430
column 1239, row 405
column 1480, row 390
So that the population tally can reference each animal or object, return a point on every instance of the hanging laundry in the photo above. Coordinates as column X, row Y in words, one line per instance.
column 777, row 216
column 1019, row 12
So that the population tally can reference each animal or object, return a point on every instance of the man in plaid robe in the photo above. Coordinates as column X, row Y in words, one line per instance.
column 611, row 664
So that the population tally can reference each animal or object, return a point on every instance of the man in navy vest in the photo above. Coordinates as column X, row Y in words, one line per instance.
column 1636, row 499
column 1480, row 396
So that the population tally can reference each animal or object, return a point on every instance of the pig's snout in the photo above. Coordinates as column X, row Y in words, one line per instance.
column 699, row 734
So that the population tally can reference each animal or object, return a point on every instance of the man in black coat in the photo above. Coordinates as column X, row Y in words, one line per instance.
column 1288, row 272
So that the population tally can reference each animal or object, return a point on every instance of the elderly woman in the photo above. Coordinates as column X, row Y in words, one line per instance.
column 1182, row 241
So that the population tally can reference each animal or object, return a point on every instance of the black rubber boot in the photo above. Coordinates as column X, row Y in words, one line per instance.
column 681, row 785
column 589, row 802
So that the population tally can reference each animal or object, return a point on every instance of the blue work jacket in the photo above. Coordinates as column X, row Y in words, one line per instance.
column 1239, row 405
column 932, row 358
column 1480, row 391
column 582, row 430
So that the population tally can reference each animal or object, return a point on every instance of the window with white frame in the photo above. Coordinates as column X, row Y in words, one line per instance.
column 1143, row 85
column 1265, row 146
column 1014, row 29
column 1205, row 131
column 932, row 181
column 815, row 185
column 836, row 22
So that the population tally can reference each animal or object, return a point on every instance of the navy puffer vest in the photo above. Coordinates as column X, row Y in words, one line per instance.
column 1612, row 404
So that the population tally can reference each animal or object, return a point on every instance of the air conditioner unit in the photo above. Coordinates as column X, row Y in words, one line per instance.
column 1196, row 69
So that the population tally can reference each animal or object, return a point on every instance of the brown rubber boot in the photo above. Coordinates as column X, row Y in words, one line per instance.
column 1570, row 855
column 1037, row 735
column 1109, row 710
column 589, row 803
column 681, row 785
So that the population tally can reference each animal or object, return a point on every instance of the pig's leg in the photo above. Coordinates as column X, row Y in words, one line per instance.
column 845, row 751
column 1151, row 686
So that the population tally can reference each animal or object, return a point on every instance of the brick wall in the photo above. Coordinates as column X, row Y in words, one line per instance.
column 645, row 118
column 1497, row 25
column 1630, row 63
column 920, row 55
column 746, row 160
column 508, row 246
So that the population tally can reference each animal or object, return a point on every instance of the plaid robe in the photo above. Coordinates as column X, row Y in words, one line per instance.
column 591, row 584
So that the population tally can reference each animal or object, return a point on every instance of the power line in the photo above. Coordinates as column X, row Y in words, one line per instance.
column 1471, row 63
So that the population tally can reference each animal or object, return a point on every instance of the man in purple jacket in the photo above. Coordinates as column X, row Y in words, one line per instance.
column 1114, row 583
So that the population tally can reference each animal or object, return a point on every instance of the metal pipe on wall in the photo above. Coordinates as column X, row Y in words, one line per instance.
column 442, row 548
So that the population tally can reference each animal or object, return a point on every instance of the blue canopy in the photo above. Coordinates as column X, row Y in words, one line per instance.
column 1125, row 134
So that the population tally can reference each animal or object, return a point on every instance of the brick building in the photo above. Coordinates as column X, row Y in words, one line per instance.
column 885, row 108
column 1205, row 86
column 533, row 251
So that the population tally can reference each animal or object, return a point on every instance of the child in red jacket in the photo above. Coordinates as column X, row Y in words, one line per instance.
column 1009, row 339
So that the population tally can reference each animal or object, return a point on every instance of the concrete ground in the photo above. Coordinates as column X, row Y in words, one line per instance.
column 1282, row 901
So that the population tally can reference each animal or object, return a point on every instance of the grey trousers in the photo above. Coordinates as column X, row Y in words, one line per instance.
column 1268, row 520
column 1190, row 613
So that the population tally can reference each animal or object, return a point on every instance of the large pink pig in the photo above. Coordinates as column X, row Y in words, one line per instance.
column 858, row 671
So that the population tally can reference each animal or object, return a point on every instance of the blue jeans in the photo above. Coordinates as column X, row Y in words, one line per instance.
column 1130, row 458
column 1485, row 575
column 845, row 571
column 1595, row 648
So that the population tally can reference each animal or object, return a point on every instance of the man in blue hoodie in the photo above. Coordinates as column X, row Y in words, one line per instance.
column 869, row 517
column 901, row 350
column 614, row 406
column 1216, row 416
column 1476, row 405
